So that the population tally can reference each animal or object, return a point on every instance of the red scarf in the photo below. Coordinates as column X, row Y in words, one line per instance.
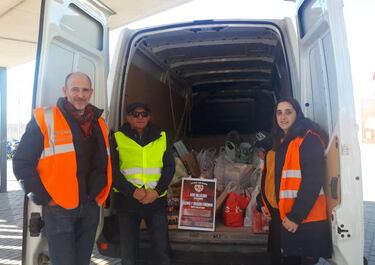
column 84, row 120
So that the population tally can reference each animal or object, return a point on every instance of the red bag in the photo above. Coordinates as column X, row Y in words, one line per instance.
column 260, row 222
column 233, row 213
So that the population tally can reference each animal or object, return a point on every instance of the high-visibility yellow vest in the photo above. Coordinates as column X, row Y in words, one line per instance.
column 141, row 166
column 57, row 166
column 291, row 179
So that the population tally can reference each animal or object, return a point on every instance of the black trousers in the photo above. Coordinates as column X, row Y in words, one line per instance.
column 157, row 225
column 274, row 245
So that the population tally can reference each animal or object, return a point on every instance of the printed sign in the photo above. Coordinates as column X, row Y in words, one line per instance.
column 197, row 204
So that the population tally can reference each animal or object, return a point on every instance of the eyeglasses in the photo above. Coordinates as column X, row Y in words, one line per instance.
column 136, row 114
column 76, row 90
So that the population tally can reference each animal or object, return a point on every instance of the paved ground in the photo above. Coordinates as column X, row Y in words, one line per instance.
column 11, row 207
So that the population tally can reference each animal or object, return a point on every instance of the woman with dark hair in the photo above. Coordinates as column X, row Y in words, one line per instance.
column 295, row 171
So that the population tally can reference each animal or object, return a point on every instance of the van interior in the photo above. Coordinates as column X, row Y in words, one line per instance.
column 202, row 81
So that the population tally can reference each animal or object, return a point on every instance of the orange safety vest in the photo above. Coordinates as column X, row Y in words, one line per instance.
column 57, row 166
column 268, row 192
column 291, row 178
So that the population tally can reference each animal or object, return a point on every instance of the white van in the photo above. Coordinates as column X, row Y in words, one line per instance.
column 202, row 79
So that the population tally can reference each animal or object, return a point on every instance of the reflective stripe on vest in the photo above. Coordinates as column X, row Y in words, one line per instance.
column 58, row 149
column 142, row 166
column 57, row 166
column 139, row 170
column 292, row 194
column 291, row 179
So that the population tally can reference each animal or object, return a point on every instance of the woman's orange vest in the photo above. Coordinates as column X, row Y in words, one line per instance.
column 57, row 166
column 268, row 191
column 291, row 180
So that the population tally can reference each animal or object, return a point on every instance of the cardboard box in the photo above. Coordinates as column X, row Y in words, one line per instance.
column 191, row 164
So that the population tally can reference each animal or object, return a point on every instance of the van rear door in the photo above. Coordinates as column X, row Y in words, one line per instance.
column 72, row 37
column 327, row 98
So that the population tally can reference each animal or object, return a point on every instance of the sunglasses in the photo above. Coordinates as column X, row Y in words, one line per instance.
column 136, row 114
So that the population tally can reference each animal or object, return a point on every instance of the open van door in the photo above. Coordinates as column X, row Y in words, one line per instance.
column 72, row 37
column 327, row 98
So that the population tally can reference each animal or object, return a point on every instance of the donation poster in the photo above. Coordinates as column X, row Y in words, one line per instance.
column 197, row 204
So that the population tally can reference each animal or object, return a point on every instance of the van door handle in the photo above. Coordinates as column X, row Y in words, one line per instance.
column 334, row 185
column 35, row 224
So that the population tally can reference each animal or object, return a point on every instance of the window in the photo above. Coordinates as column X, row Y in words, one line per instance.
column 310, row 13
column 323, row 83
column 83, row 27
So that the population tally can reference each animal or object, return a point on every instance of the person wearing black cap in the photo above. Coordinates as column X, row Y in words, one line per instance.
column 143, row 167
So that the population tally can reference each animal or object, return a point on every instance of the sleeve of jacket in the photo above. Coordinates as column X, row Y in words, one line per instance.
column 119, row 181
column 168, row 170
column 313, row 174
column 25, row 163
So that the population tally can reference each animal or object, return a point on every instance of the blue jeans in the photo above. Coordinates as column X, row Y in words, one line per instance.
column 71, row 233
column 157, row 225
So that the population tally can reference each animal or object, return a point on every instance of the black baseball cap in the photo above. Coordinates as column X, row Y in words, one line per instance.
column 131, row 107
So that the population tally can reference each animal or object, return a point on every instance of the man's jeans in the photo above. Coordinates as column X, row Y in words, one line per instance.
column 71, row 233
column 157, row 225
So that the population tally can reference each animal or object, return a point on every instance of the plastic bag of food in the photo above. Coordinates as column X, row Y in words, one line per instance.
column 219, row 168
column 249, row 209
column 233, row 209
column 180, row 171
column 206, row 159
column 233, row 172
column 260, row 222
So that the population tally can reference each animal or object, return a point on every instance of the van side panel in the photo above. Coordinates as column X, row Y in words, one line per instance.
column 327, row 98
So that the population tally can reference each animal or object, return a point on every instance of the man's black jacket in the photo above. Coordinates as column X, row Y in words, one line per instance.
column 90, row 153
column 124, row 200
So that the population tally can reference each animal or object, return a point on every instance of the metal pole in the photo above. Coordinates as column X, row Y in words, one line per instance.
column 3, row 129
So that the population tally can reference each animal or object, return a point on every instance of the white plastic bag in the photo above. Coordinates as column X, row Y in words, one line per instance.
column 219, row 168
column 230, row 150
column 250, row 177
column 233, row 171
column 180, row 171
column 206, row 162
column 248, row 221
column 246, row 179
column 244, row 151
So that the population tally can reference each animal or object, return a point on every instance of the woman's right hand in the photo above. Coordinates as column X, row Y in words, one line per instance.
column 289, row 225
column 266, row 213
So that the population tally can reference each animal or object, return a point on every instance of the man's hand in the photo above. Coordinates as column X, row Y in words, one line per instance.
column 52, row 203
column 139, row 194
column 151, row 196
column 289, row 225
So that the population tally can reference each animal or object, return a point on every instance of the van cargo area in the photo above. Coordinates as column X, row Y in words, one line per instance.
column 202, row 81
